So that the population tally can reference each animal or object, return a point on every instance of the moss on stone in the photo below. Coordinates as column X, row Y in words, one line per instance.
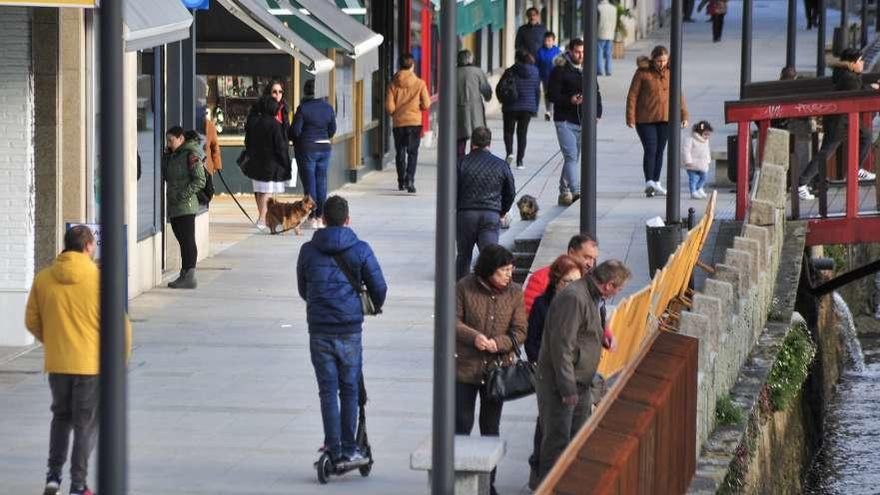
column 791, row 367
column 727, row 413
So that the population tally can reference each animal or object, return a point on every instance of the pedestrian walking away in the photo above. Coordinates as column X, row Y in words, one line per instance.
column 846, row 76
column 518, row 113
column 63, row 314
column 717, row 9
column 183, row 168
column 696, row 155
column 335, row 316
column 407, row 97
column 607, row 29
column 489, row 319
column 569, row 356
column 647, row 110
column 566, row 93
column 473, row 89
column 486, row 190
column 267, row 146
column 314, row 125
column 582, row 247
column 546, row 55
column 811, row 11
column 564, row 270
column 530, row 36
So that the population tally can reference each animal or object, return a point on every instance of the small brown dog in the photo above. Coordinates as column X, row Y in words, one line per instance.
column 288, row 216
column 528, row 207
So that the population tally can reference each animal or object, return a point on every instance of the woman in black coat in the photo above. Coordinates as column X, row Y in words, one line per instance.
column 262, row 188
column 267, row 145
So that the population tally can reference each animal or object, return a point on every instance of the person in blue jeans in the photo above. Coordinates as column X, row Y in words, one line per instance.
column 605, row 32
column 314, row 125
column 335, row 320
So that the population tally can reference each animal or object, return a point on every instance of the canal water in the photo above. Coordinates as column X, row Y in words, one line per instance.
column 849, row 462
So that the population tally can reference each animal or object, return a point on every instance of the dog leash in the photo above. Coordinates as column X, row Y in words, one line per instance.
column 220, row 174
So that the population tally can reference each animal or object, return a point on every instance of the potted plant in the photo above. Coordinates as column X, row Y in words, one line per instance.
column 621, row 32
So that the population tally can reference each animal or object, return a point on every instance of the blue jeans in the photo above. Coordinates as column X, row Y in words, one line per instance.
column 569, row 136
column 604, row 51
column 696, row 179
column 653, row 136
column 480, row 227
column 313, row 171
column 337, row 362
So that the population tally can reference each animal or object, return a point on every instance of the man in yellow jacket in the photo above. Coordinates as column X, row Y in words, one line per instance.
column 63, row 313
column 406, row 99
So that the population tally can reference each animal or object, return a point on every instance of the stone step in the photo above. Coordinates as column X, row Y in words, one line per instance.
column 523, row 260
column 520, row 275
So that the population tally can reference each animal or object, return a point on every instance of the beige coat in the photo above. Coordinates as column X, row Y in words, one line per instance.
column 406, row 99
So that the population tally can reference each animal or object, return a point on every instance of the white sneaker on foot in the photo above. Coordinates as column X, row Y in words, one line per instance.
column 261, row 227
column 509, row 160
column 649, row 189
column 865, row 175
column 703, row 193
column 314, row 223
column 696, row 195
column 660, row 189
column 805, row 194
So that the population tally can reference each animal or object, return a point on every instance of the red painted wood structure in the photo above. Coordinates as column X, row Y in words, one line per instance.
column 642, row 436
column 849, row 227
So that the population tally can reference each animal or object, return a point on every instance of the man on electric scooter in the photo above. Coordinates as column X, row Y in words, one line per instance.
column 326, row 267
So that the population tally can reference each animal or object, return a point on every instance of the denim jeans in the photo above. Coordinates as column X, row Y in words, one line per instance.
column 406, row 147
column 569, row 136
column 74, row 408
column 337, row 362
column 604, row 51
column 653, row 136
column 313, row 166
column 480, row 227
column 696, row 180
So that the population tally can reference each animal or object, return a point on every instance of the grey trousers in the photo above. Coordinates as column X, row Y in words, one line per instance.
column 559, row 422
column 74, row 407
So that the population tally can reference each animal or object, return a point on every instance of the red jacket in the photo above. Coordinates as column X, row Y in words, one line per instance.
column 535, row 286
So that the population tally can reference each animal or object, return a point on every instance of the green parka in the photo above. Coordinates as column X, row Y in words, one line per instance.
column 184, row 173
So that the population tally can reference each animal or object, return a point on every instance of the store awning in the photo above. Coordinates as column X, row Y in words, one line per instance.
column 256, row 15
column 155, row 23
column 356, row 38
column 473, row 15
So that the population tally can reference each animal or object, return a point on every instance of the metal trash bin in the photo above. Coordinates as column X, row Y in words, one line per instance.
column 662, row 242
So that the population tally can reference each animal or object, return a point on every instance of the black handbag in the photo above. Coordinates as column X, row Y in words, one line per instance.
column 504, row 383
column 367, row 303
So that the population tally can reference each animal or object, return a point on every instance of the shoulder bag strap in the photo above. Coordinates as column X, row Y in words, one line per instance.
column 348, row 274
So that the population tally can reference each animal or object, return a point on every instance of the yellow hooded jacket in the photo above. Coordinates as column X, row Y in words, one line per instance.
column 63, row 312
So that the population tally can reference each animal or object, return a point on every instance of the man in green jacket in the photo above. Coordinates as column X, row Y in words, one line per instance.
column 569, row 356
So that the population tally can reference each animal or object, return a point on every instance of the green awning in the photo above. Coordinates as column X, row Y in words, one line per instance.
column 472, row 15
column 329, row 28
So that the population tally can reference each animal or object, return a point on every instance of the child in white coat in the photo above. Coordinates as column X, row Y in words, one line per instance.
column 696, row 157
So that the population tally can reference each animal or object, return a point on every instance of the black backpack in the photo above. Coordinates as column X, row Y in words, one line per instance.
column 207, row 193
column 505, row 90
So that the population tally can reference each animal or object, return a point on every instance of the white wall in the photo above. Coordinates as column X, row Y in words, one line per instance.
column 16, row 173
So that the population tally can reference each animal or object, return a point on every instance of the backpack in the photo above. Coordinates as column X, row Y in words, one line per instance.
column 207, row 193
column 505, row 90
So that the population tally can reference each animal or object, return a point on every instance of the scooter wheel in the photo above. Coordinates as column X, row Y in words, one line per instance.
column 324, row 467
column 365, row 469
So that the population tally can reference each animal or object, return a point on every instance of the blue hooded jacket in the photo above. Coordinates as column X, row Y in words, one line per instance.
column 528, row 87
column 332, row 305
column 544, row 61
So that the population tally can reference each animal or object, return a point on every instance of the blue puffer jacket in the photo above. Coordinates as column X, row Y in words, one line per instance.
column 528, row 88
column 332, row 305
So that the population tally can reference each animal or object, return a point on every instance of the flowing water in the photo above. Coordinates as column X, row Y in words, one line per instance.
column 849, row 462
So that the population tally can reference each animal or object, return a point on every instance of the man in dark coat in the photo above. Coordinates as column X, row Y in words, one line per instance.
column 485, row 194
column 335, row 317
column 566, row 92
column 569, row 356
column 530, row 36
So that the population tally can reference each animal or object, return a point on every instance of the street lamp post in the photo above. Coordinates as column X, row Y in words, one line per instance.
column 791, row 34
column 588, row 120
column 673, row 196
column 745, row 75
column 820, row 39
column 112, row 432
column 443, row 437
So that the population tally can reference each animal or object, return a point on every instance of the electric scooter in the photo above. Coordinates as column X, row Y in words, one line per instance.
column 325, row 465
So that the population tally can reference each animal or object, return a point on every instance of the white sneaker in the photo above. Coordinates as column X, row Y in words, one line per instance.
column 805, row 194
column 649, row 189
column 261, row 227
column 696, row 195
column 660, row 189
column 509, row 160
column 865, row 175
column 702, row 192
column 314, row 223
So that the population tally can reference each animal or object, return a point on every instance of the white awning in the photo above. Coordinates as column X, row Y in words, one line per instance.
column 339, row 26
column 154, row 23
column 256, row 15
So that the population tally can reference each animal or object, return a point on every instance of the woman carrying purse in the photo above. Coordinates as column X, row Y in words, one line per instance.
column 489, row 310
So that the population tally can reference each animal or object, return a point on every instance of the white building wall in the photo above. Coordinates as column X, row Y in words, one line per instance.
column 16, row 173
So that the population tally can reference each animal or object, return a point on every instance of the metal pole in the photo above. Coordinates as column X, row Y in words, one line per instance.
column 877, row 18
column 589, row 109
column 820, row 39
column 673, row 196
column 791, row 34
column 863, row 26
column 844, row 10
column 745, row 75
column 443, row 440
column 112, row 436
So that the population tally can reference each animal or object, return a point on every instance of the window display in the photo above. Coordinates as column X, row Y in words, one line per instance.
column 230, row 98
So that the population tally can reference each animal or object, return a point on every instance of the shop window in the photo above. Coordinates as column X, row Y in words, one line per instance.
column 229, row 99
column 149, row 126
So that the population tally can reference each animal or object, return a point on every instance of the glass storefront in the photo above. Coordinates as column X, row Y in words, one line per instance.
column 229, row 99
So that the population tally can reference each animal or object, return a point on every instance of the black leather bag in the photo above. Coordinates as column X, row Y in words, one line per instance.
column 504, row 383
column 367, row 303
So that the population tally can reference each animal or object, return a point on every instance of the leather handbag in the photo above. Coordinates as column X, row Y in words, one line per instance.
column 360, row 288
column 504, row 383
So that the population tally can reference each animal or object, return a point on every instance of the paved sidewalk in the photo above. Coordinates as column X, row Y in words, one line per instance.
column 222, row 393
